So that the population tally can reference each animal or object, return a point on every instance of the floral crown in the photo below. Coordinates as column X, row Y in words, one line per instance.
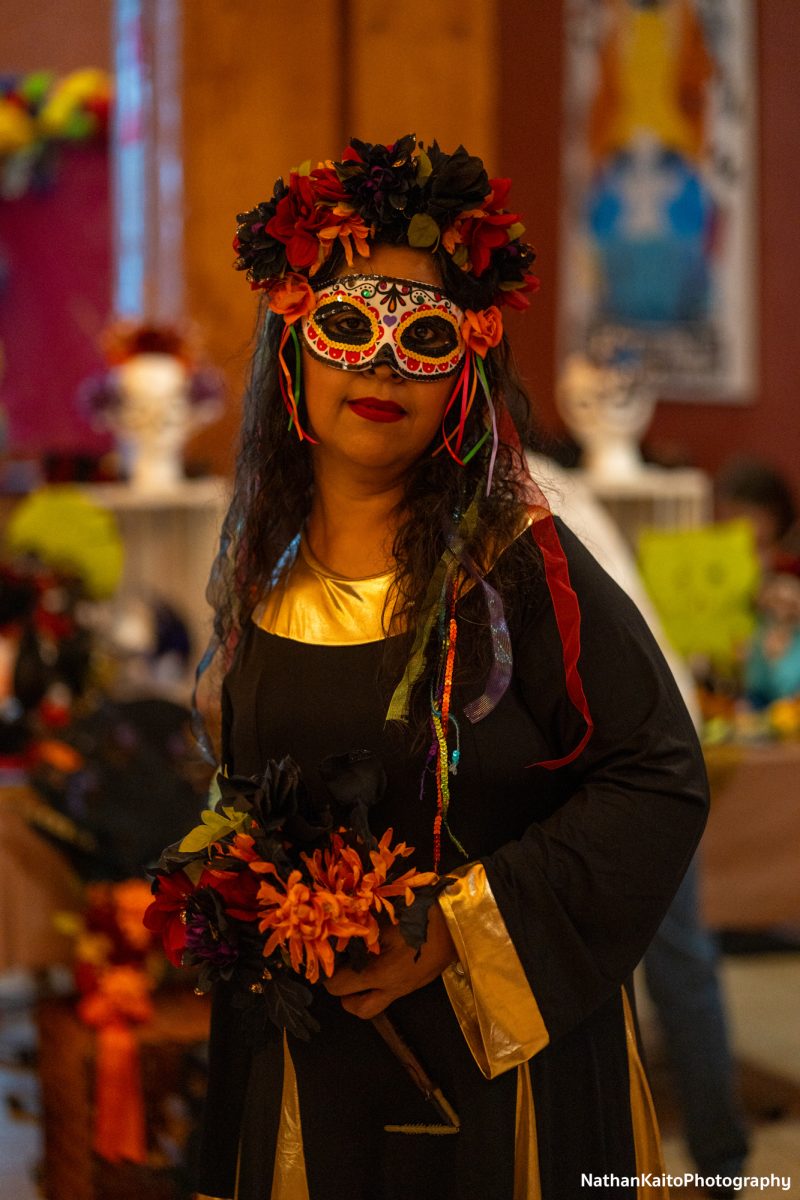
column 401, row 194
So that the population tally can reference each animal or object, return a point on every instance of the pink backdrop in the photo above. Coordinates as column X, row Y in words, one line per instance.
column 56, row 299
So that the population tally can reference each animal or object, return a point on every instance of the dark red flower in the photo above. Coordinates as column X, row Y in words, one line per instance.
column 166, row 915
column 327, row 186
column 516, row 297
column 238, row 890
column 499, row 194
column 297, row 221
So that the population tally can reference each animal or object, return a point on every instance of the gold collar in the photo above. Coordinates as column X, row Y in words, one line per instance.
column 312, row 604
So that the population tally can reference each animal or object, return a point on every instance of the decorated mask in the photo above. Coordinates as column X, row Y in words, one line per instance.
column 361, row 321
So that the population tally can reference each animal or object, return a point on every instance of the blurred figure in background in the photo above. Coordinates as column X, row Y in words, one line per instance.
column 748, row 488
column 752, row 490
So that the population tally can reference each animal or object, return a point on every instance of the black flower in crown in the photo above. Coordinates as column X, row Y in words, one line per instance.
column 258, row 252
column 457, row 183
column 378, row 179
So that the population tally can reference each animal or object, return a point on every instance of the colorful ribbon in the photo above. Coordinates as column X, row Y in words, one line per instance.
column 290, row 387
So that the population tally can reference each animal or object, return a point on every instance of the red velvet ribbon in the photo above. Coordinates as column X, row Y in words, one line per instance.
column 568, row 619
column 565, row 603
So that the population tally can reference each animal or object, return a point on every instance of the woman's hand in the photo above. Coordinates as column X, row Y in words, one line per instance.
column 393, row 972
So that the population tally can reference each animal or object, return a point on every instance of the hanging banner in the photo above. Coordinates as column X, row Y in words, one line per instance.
column 659, row 169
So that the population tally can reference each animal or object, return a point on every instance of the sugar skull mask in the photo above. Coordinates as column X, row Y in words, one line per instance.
column 361, row 321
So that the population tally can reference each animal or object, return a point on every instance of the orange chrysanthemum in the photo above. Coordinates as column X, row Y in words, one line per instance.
column 304, row 920
column 243, row 847
column 343, row 901
column 341, row 871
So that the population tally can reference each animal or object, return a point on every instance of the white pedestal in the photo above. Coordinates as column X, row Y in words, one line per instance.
column 170, row 539
column 654, row 497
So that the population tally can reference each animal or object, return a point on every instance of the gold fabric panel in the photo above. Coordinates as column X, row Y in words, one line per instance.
column 312, row 604
column 289, row 1177
column 487, row 987
column 646, row 1139
column 527, row 1185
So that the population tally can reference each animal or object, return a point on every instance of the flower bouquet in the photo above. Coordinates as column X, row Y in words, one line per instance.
column 274, row 890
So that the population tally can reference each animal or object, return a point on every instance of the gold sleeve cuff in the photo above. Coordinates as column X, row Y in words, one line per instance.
column 487, row 987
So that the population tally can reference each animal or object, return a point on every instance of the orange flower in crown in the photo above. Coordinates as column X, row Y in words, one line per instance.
column 350, row 231
column 482, row 330
column 292, row 297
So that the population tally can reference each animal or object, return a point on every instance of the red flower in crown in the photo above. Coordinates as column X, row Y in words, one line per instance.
column 297, row 222
column 327, row 186
column 514, row 295
column 482, row 230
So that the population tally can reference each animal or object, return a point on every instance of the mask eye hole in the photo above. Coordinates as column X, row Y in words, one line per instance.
column 343, row 324
column 429, row 335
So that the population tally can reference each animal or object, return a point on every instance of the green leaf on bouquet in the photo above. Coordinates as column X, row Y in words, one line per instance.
column 215, row 826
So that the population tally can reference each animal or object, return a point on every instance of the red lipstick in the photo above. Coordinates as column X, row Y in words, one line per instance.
column 372, row 409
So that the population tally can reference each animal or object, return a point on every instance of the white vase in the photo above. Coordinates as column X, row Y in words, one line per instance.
column 153, row 420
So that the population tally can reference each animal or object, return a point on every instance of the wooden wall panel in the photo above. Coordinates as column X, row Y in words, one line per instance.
column 530, row 69
column 424, row 68
column 59, row 35
column 259, row 89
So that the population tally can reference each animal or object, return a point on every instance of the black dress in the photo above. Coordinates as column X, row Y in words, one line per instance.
column 531, row 1039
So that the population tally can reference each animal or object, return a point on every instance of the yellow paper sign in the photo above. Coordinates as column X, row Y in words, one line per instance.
column 703, row 583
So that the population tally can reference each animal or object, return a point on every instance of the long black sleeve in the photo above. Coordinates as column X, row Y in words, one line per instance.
column 584, row 890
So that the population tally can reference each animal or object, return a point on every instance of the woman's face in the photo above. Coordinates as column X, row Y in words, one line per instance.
column 377, row 419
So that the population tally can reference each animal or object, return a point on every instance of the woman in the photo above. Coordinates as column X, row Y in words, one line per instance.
column 390, row 580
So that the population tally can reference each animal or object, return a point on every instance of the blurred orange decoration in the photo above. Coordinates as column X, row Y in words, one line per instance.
column 117, row 966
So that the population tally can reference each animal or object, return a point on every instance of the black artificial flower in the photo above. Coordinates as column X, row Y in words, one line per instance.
column 278, row 800
column 357, row 781
column 457, row 183
column 259, row 253
column 378, row 180
column 513, row 262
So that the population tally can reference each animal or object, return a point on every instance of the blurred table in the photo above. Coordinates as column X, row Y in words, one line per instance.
column 751, row 847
